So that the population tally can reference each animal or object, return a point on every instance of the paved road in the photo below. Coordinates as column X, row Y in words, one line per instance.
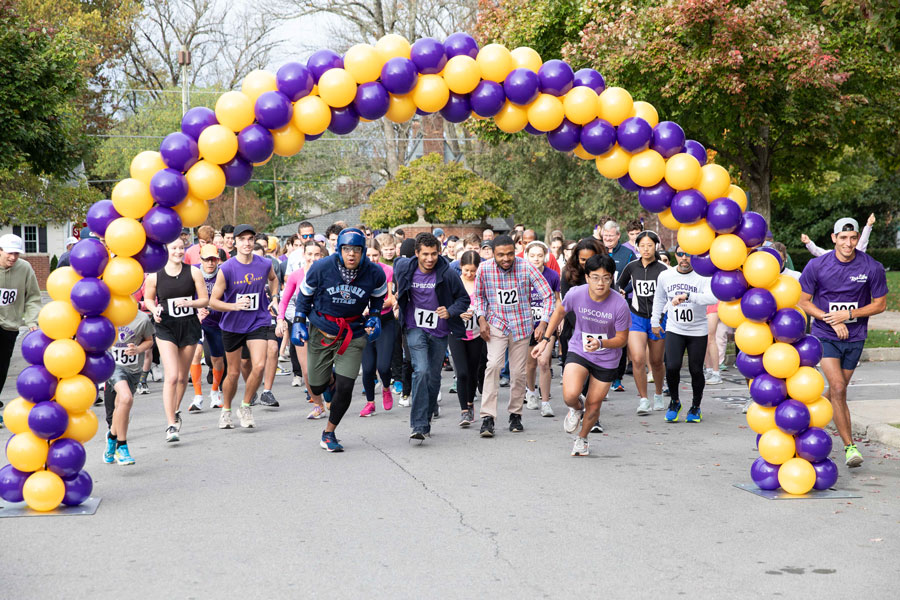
column 266, row 513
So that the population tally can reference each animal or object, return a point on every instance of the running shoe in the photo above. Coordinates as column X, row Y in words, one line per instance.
column 143, row 388
column 245, row 413
column 330, row 443
column 387, row 398
column 216, row 399
column 110, row 452
column 440, row 397
column 297, row 381
column 714, row 378
column 694, row 415
column 172, row 434
column 597, row 428
column 650, row 376
column 417, row 435
column 283, row 357
column 156, row 373
column 643, row 408
column 546, row 410
column 123, row 456
column 674, row 412
column 437, row 411
column 404, row 400
column 268, row 399
column 368, row 410
column 398, row 386
column 504, row 382
column 573, row 418
column 853, row 457
column 447, row 366
column 178, row 422
column 254, row 400
column 225, row 420
column 531, row 400
column 453, row 386
column 581, row 447
column 659, row 402
column 487, row 427
column 317, row 412
column 617, row 386
column 746, row 406
column 666, row 391
column 197, row 404
column 466, row 418
column 515, row 423
column 723, row 366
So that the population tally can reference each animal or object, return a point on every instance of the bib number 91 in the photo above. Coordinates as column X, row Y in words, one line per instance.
column 254, row 301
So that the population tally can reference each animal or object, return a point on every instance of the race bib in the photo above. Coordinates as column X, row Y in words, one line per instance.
column 683, row 314
column 122, row 358
column 425, row 319
column 836, row 306
column 471, row 324
column 254, row 300
column 586, row 337
column 8, row 296
column 537, row 313
column 180, row 311
column 508, row 297
column 644, row 287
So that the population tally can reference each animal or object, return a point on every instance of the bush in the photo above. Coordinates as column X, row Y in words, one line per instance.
column 889, row 257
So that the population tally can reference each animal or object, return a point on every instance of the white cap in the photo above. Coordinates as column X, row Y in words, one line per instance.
column 71, row 241
column 842, row 225
column 12, row 243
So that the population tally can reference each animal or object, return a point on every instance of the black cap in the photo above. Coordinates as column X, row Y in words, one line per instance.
column 487, row 244
column 242, row 229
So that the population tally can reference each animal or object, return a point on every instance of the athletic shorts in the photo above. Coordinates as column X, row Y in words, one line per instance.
column 213, row 336
column 642, row 324
column 232, row 341
column 321, row 359
column 598, row 373
column 182, row 332
column 847, row 352
column 270, row 334
column 121, row 374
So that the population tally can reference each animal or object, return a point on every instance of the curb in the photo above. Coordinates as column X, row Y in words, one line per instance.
column 872, row 431
column 880, row 354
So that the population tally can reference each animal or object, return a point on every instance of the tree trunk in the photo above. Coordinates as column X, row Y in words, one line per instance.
column 759, row 195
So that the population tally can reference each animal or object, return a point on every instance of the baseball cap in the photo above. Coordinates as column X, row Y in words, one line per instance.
column 71, row 240
column 487, row 244
column 438, row 231
column 242, row 229
column 12, row 243
column 846, row 224
column 209, row 251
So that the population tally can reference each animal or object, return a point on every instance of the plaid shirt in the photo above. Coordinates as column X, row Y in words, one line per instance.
column 503, row 298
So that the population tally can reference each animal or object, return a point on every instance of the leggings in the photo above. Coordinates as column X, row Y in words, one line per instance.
column 406, row 370
column 7, row 345
column 377, row 356
column 468, row 356
column 340, row 400
column 295, row 361
column 696, row 351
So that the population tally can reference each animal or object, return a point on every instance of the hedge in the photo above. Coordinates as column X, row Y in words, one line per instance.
column 889, row 257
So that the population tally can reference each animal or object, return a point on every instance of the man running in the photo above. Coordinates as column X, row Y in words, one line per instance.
column 841, row 290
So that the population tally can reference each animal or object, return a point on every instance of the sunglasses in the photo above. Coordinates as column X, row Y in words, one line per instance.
column 680, row 254
column 307, row 236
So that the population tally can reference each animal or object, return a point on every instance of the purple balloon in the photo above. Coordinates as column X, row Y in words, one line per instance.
column 98, row 366
column 696, row 149
column 36, row 384
column 787, row 326
column 634, row 135
column 95, row 334
column 100, row 215
column 566, row 137
column 372, row 101
column 179, row 151
column 90, row 296
column 457, row 108
column 522, row 86
column 12, row 481
column 312, row 138
column 749, row 365
column 628, row 183
column 255, row 143
column 152, row 257
column 758, row 304
column 429, row 56
column 273, row 110
column 723, row 215
column 810, row 350
column 33, row 345
column 668, row 139
column 294, row 80
column 813, row 445
column 767, row 390
column 162, row 225
column 529, row 128
column 764, row 475
column 689, row 206
column 78, row 488
column 598, row 137
column 89, row 257
column 399, row 75
column 343, row 120
column 656, row 198
column 703, row 265
column 48, row 420
column 589, row 78
column 168, row 187
column 422, row 113
column 792, row 417
column 238, row 171
column 556, row 77
column 322, row 61
column 487, row 98
column 826, row 474
column 459, row 44
column 752, row 229
column 196, row 120
column 773, row 252
column 728, row 285
column 66, row 456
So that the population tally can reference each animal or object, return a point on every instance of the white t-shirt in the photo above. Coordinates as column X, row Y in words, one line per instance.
column 688, row 318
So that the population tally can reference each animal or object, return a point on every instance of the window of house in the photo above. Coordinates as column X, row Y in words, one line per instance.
column 30, row 235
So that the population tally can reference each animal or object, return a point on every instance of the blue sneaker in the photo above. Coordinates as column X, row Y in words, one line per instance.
column 398, row 387
column 123, row 456
column 330, row 443
column 673, row 412
column 110, row 452
column 617, row 386
column 694, row 415
column 327, row 395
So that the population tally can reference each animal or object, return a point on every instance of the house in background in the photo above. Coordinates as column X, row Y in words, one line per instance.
column 42, row 243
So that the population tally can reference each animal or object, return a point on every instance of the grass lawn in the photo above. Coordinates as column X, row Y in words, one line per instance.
column 883, row 339
column 893, row 297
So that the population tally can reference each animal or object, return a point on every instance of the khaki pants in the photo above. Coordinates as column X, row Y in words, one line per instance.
column 496, row 357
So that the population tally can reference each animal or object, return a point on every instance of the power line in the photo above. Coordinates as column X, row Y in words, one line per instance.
column 324, row 139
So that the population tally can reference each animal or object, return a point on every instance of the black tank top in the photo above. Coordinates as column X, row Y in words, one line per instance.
column 169, row 289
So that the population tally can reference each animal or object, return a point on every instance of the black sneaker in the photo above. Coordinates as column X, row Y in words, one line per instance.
column 597, row 428
column 447, row 366
column 466, row 418
column 268, row 399
column 487, row 427
column 515, row 423
column 178, row 422
column 417, row 435
column 254, row 400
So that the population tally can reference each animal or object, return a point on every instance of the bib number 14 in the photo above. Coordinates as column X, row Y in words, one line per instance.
column 425, row 319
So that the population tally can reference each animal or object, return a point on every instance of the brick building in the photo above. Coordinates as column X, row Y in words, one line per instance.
column 42, row 243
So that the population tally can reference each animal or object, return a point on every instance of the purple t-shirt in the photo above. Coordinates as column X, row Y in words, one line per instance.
column 250, row 281
column 212, row 319
column 423, row 301
column 537, row 301
column 597, row 319
column 836, row 285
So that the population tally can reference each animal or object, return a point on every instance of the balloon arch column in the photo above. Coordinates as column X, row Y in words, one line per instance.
column 277, row 113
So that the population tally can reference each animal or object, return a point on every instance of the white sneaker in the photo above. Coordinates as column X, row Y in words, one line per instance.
column 643, row 408
column 155, row 373
column 197, row 404
column 546, row 409
column 246, row 415
column 404, row 401
column 581, row 447
column 649, row 376
column 659, row 403
column 297, row 381
column 747, row 406
column 215, row 399
column 531, row 400
column 714, row 378
column 172, row 434
column 225, row 421
column 439, row 398
column 573, row 418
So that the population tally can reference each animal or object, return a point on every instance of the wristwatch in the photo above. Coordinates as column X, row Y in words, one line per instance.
column 850, row 311
column 546, row 339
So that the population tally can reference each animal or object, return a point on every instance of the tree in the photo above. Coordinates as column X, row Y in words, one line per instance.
column 28, row 198
column 448, row 192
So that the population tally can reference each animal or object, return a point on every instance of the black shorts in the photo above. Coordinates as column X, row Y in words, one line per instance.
column 232, row 341
column 598, row 373
column 182, row 332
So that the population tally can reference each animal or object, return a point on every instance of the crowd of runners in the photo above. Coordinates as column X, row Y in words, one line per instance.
column 500, row 314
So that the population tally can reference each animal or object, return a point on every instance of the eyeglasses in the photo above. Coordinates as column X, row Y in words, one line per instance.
column 307, row 236
column 680, row 254
column 352, row 249
column 596, row 279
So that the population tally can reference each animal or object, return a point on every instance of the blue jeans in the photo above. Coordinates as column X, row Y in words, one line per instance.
column 427, row 353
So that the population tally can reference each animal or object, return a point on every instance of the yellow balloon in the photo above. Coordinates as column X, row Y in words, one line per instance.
column 647, row 168
column 145, row 165
column 647, row 112
column 580, row 104
column 752, row 338
column 26, row 451
column 123, row 275
column 581, row 153
column 311, row 115
column 524, row 57
column 59, row 319
column 760, row 418
column 121, row 310
column 43, row 491
column 696, row 238
column 728, row 252
column 234, row 110
column 205, row 181
column 614, row 164
column 258, row 82
column 761, row 269
column 193, row 211
column 714, row 182
column 546, row 113
column 462, row 74
column 431, row 93
column 217, row 144
column 64, row 358
column 392, row 46
column 730, row 313
column 806, row 385
column 797, row 476
column 131, row 198
column 511, row 118
column 682, row 172
column 776, row 447
column 60, row 282
column 786, row 291
column 820, row 412
column 125, row 237
column 401, row 108
column 82, row 426
column 615, row 105
column 337, row 88
column 363, row 62
column 495, row 62
column 667, row 220
column 76, row 394
column 738, row 195
column 15, row 415
column 288, row 140
column 781, row 360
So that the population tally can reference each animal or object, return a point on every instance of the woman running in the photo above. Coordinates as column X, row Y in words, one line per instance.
column 470, row 352
column 536, row 254
column 377, row 355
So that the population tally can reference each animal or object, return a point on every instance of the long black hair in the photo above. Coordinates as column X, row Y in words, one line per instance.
column 573, row 271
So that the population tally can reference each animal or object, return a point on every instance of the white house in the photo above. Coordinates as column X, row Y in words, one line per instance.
column 42, row 243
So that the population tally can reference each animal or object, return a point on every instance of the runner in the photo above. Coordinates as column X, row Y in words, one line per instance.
column 602, row 320
column 228, row 240
column 306, row 232
column 862, row 244
column 376, row 357
column 273, row 341
column 536, row 252
column 212, row 337
column 172, row 295
column 841, row 290
column 469, row 351
column 333, row 296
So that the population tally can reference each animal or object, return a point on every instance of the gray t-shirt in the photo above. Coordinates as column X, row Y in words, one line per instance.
column 134, row 333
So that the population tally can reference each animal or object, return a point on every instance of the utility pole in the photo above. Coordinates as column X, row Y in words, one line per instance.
column 184, row 59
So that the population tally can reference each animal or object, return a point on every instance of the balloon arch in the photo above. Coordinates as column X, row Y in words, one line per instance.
column 276, row 113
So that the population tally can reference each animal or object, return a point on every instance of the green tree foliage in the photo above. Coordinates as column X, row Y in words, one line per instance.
column 448, row 192
column 27, row 198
